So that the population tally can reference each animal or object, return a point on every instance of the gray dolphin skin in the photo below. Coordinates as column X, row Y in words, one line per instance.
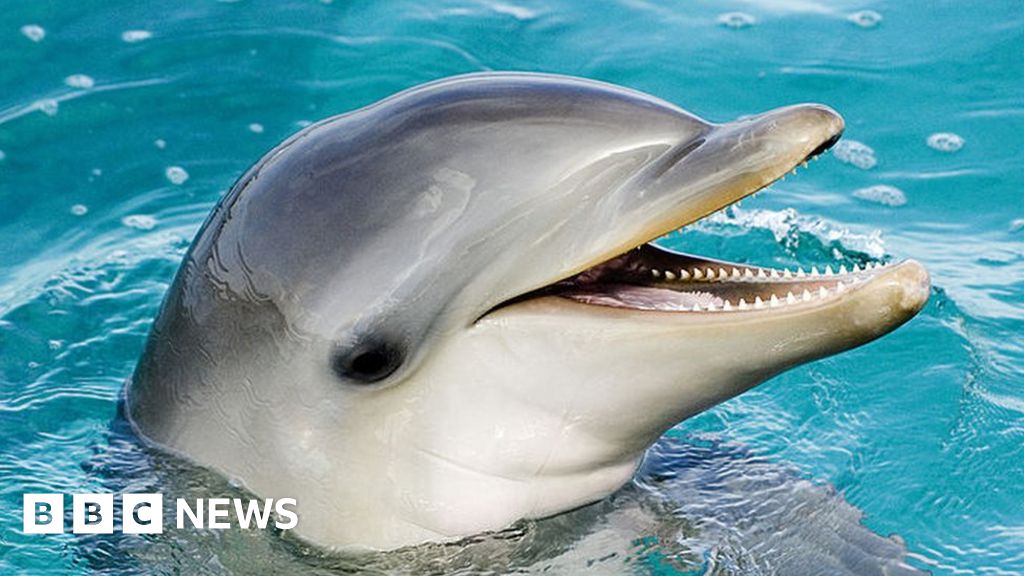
column 440, row 314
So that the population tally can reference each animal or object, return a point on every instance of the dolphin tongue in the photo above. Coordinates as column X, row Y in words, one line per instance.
column 643, row 298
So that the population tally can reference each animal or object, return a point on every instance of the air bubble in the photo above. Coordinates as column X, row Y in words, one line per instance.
column 3, row 155
column 97, row 172
column 48, row 106
column 160, row 143
column 79, row 209
column 856, row 153
column 882, row 194
column 256, row 128
column 139, row 221
column 132, row 36
column 80, row 81
column 33, row 32
column 176, row 174
column 945, row 142
column 865, row 18
column 736, row 20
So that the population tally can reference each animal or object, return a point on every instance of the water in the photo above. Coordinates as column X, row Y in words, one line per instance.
column 121, row 125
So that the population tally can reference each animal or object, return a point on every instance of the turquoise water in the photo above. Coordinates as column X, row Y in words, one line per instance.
column 121, row 124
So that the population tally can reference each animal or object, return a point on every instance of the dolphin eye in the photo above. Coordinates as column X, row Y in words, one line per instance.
column 367, row 362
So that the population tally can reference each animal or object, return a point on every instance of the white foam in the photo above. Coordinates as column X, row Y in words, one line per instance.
column 945, row 142
column 80, row 81
column 49, row 106
column 865, row 18
column 736, row 20
column 855, row 153
column 176, row 174
column 139, row 221
column 786, row 225
column 882, row 194
column 132, row 36
column 33, row 32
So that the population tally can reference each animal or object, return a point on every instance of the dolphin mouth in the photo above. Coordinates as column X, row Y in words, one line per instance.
column 651, row 278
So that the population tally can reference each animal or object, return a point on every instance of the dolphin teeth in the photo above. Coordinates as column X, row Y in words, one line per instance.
column 758, row 303
column 842, row 269
column 722, row 274
column 683, row 274
column 712, row 307
column 655, row 273
column 747, row 273
column 800, row 273
column 735, row 273
column 697, row 274
column 696, row 307
column 790, row 299
column 856, row 268
column 669, row 275
column 710, row 274
column 814, row 271
column 775, row 273
column 773, row 301
column 804, row 163
column 822, row 291
column 727, row 306
column 786, row 273
column 828, row 270
column 806, row 296
column 743, row 304
column 794, row 171
column 761, row 274
column 840, row 287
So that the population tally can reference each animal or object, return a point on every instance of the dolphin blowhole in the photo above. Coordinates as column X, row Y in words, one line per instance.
column 441, row 314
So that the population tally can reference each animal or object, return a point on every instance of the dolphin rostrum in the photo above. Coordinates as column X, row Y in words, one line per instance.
column 440, row 314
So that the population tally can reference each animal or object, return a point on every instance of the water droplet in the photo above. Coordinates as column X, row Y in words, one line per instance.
column 865, row 18
column 139, row 221
column 176, row 174
column 132, row 36
column 160, row 143
column 80, row 81
column 79, row 209
column 856, row 153
column 33, row 32
column 256, row 128
column 736, row 20
column 48, row 106
column 882, row 194
column 945, row 142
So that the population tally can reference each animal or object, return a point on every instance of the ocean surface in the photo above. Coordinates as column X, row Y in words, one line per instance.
column 122, row 123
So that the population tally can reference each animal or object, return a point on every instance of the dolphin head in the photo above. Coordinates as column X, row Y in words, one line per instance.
column 440, row 314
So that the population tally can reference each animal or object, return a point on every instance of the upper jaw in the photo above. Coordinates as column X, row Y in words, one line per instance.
column 695, row 178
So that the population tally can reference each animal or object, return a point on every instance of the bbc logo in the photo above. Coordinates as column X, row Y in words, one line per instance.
column 93, row 513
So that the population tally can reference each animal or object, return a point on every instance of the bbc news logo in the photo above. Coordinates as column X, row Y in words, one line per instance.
column 144, row 513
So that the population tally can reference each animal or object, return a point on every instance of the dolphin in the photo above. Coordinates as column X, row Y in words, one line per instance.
column 441, row 314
